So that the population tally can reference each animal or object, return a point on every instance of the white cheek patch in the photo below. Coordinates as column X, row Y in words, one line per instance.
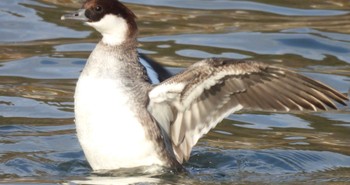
column 113, row 29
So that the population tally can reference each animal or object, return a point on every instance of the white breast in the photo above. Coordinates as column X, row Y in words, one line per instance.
column 108, row 130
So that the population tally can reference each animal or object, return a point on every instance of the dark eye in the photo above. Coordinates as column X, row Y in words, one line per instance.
column 98, row 8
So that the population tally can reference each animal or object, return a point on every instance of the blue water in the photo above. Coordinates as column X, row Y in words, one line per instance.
column 41, row 58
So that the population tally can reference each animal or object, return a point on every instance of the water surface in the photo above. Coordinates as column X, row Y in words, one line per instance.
column 41, row 58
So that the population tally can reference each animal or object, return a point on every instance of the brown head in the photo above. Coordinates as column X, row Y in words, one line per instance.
column 111, row 18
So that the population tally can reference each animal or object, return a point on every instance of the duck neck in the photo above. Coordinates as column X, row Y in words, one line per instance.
column 120, row 62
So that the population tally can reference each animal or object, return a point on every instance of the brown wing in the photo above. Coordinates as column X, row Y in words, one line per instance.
column 189, row 104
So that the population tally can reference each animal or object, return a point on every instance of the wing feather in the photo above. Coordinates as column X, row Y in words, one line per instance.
column 197, row 99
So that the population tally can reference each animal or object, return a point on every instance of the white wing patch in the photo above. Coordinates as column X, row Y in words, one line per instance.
column 166, row 92
column 162, row 98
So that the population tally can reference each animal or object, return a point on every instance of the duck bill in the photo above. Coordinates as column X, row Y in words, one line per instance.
column 78, row 15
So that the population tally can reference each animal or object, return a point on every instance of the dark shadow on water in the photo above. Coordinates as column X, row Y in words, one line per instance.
column 74, row 167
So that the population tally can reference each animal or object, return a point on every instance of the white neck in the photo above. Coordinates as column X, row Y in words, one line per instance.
column 113, row 29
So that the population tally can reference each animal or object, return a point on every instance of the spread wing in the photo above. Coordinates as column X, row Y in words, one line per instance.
column 189, row 104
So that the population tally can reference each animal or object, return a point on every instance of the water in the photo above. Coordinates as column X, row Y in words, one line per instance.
column 41, row 57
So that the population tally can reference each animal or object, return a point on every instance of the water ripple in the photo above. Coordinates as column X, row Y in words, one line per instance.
column 208, row 162
column 19, row 15
column 25, row 107
column 306, row 45
column 239, row 5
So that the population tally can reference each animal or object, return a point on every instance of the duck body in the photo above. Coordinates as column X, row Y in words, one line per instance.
column 123, row 121
column 108, row 100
